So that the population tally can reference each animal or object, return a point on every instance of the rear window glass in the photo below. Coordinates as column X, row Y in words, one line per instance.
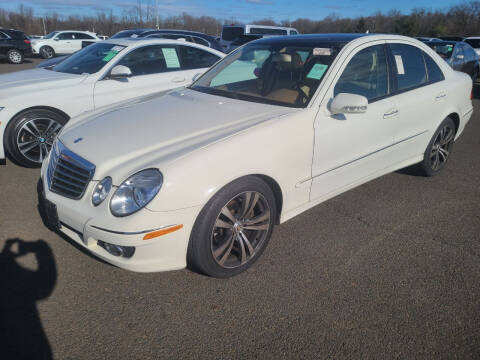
column 475, row 43
column 231, row 33
column 409, row 66
column 266, row 31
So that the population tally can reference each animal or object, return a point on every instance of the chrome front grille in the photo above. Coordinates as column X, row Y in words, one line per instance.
column 68, row 174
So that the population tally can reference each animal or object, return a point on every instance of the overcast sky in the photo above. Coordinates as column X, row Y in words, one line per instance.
column 240, row 10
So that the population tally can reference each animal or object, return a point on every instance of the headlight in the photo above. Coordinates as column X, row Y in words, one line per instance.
column 101, row 191
column 136, row 192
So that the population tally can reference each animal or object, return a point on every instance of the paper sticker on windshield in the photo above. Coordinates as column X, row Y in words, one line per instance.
column 171, row 57
column 399, row 62
column 322, row 52
column 110, row 55
column 317, row 71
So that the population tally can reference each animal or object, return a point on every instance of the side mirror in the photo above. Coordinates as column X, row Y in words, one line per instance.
column 195, row 77
column 460, row 57
column 120, row 71
column 56, row 39
column 348, row 104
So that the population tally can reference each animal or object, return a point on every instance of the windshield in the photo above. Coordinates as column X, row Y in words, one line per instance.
column 230, row 33
column 444, row 50
column 51, row 35
column 276, row 73
column 90, row 59
column 475, row 43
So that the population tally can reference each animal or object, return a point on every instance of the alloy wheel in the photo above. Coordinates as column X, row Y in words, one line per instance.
column 240, row 229
column 441, row 147
column 35, row 138
column 48, row 53
column 15, row 57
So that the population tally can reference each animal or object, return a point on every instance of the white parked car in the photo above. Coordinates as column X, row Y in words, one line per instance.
column 61, row 43
column 37, row 103
column 201, row 175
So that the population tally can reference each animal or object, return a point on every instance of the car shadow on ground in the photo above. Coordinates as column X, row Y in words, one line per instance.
column 22, row 334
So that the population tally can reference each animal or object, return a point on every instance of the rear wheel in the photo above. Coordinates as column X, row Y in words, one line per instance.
column 439, row 149
column 47, row 52
column 30, row 135
column 233, row 229
column 15, row 56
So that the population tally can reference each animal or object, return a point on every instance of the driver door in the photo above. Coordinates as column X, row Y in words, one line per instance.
column 349, row 148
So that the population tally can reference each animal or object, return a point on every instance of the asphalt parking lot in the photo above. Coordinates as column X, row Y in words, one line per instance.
column 388, row 270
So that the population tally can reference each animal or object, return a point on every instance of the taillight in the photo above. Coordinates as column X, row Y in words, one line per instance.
column 26, row 41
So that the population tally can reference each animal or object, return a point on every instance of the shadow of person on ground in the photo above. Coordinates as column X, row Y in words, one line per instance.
column 21, row 332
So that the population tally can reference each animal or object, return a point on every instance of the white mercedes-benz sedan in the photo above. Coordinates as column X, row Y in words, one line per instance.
column 36, row 104
column 200, row 176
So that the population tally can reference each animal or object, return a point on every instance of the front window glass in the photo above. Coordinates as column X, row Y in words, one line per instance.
column 366, row 74
column 90, row 59
column 51, row 35
column 277, row 73
column 152, row 60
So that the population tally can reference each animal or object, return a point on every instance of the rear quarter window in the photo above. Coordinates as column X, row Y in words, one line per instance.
column 435, row 74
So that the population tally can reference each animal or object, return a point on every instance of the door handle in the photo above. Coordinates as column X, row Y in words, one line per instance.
column 440, row 96
column 178, row 79
column 390, row 113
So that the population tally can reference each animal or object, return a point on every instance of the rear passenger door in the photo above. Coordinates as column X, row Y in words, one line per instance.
column 420, row 97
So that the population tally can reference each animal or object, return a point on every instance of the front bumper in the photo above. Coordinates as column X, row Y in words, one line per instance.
column 78, row 222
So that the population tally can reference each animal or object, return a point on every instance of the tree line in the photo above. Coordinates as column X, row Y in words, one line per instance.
column 461, row 19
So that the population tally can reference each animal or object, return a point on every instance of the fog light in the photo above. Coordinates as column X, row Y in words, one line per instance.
column 117, row 250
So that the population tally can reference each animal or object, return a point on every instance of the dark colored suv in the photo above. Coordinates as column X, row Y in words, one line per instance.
column 14, row 45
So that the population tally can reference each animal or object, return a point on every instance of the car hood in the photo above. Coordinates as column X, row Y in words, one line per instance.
column 160, row 129
column 33, row 80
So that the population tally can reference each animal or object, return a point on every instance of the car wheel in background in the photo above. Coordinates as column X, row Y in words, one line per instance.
column 233, row 229
column 30, row 135
column 15, row 56
column 439, row 149
column 47, row 52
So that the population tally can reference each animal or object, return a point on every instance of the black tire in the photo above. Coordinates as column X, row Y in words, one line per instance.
column 20, row 131
column 426, row 167
column 46, row 52
column 200, row 255
column 15, row 56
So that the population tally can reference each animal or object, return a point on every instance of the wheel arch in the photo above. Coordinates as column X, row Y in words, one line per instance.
column 277, row 193
column 42, row 107
column 456, row 120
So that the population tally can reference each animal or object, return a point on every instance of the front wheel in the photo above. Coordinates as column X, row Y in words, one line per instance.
column 15, row 56
column 30, row 135
column 47, row 52
column 439, row 149
column 233, row 229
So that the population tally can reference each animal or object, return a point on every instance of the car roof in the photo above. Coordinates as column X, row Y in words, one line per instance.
column 146, row 41
column 178, row 31
column 321, row 38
